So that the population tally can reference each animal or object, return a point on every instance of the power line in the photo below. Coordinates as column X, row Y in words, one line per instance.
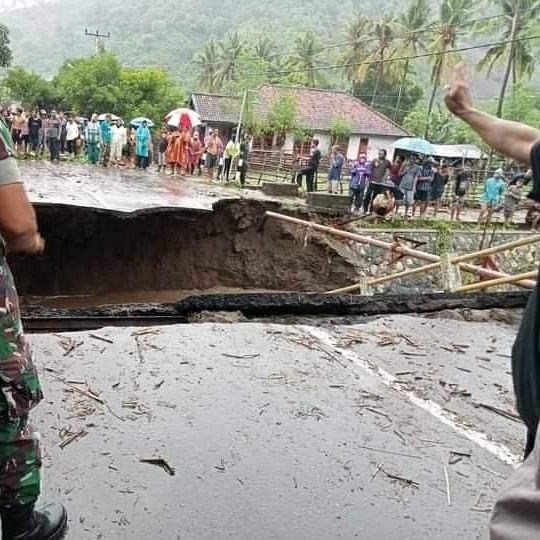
column 429, row 27
column 398, row 59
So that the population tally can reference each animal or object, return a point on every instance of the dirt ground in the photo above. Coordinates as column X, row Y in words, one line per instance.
column 303, row 431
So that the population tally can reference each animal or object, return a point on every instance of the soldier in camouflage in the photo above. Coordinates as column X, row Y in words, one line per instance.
column 20, row 390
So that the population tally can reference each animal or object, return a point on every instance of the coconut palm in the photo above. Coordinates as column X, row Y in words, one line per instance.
column 207, row 62
column 517, row 55
column 264, row 47
column 230, row 52
column 413, row 28
column 306, row 52
column 372, row 45
column 452, row 15
column 357, row 31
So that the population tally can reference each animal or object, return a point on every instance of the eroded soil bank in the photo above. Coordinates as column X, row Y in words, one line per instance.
column 91, row 252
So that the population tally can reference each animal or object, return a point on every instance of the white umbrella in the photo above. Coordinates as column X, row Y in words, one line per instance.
column 103, row 116
column 183, row 117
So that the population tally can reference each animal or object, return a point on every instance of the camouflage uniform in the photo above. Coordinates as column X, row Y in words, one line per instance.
column 20, row 391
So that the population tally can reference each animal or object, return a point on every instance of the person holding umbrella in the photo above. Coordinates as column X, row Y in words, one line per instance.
column 142, row 145
column 183, row 157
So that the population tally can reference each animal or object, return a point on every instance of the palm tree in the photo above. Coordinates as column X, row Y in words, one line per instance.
column 264, row 47
column 383, row 33
column 357, row 31
column 371, row 48
column 517, row 55
column 452, row 15
column 207, row 61
column 412, row 27
column 306, row 51
column 229, row 55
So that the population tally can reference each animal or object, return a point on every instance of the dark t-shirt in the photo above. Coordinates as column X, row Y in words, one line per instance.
column 379, row 171
column 163, row 144
column 34, row 125
column 439, row 182
column 314, row 158
column 526, row 350
column 463, row 180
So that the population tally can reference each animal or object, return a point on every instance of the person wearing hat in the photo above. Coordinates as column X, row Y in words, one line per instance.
column 492, row 197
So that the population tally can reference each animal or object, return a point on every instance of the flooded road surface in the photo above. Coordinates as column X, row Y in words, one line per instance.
column 117, row 190
column 278, row 431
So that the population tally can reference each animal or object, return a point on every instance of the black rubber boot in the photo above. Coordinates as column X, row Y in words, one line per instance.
column 22, row 522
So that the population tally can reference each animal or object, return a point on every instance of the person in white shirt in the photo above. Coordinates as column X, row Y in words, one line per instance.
column 118, row 141
column 72, row 134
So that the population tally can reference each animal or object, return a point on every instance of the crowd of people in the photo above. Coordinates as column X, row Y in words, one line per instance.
column 411, row 184
column 106, row 140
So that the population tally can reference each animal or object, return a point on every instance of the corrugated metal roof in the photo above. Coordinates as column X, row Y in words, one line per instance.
column 467, row 151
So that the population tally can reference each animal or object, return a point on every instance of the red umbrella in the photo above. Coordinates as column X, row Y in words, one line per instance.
column 183, row 118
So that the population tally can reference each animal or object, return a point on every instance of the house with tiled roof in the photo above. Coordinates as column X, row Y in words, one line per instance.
column 216, row 111
column 316, row 111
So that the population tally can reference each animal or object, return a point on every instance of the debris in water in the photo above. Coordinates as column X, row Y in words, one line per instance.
column 413, row 483
column 447, row 480
column 159, row 462
column 159, row 384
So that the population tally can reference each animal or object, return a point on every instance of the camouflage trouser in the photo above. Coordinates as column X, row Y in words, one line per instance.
column 20, row 391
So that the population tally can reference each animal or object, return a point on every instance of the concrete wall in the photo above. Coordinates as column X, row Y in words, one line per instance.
column 288, row 145
column 373, row 262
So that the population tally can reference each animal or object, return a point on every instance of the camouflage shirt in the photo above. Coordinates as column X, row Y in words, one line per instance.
column 6, row 144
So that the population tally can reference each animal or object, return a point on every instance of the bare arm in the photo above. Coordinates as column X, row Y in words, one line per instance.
column 512, row 139
column 18, row 220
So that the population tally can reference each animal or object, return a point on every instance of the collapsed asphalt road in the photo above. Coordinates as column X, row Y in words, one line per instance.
column 397, row 428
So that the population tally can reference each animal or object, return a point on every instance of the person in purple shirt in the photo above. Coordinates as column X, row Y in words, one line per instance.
column 360, row 172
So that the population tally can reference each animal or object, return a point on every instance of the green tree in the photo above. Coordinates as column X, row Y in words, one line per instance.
column 306, row 51
column 147, row 92
column 282, row 117
column 5, row 51
column 357, row 30
column 452, row 15
column 230, row 52
column 396, row 106
column 341, row 129
column 264, row 47
column 92, row 84
column 30, row 89
column 516, row 55
column 208, row 63
column 413, row 28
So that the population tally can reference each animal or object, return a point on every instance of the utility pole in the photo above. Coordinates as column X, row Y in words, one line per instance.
column 96, row 35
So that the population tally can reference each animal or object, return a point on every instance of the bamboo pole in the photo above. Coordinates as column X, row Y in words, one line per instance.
column 498, row 281
column 482, row 272
column 435, row 266
column 389, row 277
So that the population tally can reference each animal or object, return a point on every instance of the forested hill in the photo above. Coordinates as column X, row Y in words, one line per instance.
column 169, row 32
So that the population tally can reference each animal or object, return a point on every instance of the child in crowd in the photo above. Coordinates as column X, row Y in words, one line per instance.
column 162, row 150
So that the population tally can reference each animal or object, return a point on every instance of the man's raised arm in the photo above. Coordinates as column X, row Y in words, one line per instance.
column 509, row 138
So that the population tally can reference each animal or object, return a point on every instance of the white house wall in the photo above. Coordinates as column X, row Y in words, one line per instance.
column 325, row 141
column 376, row 143
column 354, row 147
